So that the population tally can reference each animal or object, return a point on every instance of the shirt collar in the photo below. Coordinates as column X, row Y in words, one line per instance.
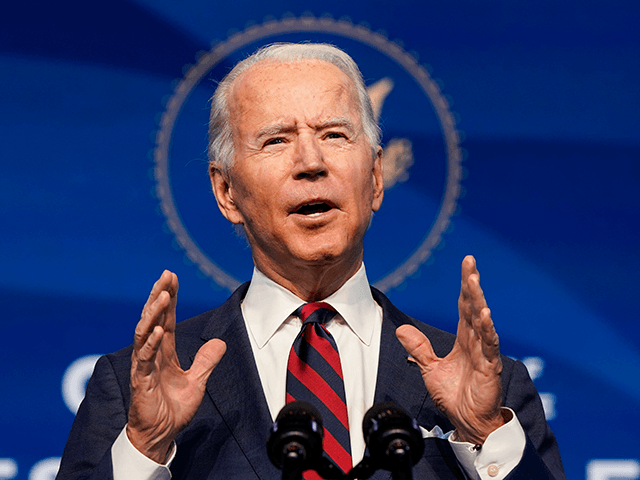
column 267, row 305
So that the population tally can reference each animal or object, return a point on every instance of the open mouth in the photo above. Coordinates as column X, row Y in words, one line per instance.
column 313, row 209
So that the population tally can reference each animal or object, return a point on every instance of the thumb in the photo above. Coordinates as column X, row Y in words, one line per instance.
column 416, row 344
column 207, row 358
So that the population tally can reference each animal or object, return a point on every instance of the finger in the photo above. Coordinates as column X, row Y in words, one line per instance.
column 469, row 266
column 152, row 316
column 144, row 358
column 464, row 306
column 416, row 344
column 476, row 295
column 160, row 285
column 471, row 300
column 170, row 313
column 168, row 283
column 490, row 339
column 207, row 359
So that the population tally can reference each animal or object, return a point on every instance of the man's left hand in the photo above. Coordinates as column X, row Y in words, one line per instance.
column 465, row 385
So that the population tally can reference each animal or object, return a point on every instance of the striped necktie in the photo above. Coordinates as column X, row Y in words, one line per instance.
column 314, row 375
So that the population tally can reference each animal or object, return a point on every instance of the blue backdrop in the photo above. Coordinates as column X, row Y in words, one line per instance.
column 512, row 126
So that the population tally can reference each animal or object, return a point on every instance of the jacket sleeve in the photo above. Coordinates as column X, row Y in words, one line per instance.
column 541, row 457
column 101, row 417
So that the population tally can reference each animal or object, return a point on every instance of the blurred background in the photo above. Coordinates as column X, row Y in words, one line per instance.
column 510, row 133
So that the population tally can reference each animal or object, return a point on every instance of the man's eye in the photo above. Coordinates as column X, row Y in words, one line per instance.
column 333, row 135
column 273, row 141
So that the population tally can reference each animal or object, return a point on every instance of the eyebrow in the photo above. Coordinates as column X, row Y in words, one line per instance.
column 274, row 129
column 279, row 128
column 337, row 122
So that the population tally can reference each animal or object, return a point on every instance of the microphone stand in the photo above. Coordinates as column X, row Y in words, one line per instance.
column 397, row 460
column 292, row 462
column 400, row 460
column 328, row 470
column 363, row 470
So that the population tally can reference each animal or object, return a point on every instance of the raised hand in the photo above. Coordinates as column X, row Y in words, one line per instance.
column 465, row 385
column 164, row 398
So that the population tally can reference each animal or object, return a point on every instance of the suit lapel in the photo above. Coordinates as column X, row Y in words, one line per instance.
column 235, row 387
column 399, row 380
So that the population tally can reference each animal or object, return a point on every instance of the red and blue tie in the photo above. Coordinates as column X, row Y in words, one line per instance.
column 314, row 375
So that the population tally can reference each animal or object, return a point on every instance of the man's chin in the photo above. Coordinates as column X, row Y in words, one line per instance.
column 327, row 255
column 328, row 248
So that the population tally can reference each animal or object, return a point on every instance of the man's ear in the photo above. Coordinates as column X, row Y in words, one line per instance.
column 223, row 191
column 378, row 180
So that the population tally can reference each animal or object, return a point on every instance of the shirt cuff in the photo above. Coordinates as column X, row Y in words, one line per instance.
column 129, row 464
column 500, row 453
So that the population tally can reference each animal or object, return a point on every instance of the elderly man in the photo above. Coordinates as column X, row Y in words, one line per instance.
column 296, row 162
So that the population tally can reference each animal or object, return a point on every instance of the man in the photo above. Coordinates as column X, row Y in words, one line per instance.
column 296, row 162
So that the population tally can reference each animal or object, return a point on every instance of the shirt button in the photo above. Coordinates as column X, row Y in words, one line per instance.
column 493, row 470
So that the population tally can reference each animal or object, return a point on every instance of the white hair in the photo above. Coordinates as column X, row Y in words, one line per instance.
column 221, row 148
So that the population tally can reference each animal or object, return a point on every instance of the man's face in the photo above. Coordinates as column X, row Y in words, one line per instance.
column 305, row 181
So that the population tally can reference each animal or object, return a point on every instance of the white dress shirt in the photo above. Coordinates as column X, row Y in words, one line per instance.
column 267, row 310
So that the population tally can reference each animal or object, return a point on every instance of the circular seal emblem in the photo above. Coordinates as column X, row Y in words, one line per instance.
column 422, row 153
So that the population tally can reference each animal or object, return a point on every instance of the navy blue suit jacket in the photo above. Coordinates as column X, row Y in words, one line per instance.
column 227, row 437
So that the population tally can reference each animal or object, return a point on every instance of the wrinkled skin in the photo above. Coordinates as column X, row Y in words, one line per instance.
column 465, row 385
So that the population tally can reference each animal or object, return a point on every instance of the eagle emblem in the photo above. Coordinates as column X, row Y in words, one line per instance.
column 397, row 155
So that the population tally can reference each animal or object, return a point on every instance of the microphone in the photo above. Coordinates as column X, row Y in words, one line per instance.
column 394, row 441
column 295, row 440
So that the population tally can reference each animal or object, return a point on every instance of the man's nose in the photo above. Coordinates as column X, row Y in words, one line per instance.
column 309, row 158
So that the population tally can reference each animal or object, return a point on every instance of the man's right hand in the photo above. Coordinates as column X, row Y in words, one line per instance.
column 164, row 398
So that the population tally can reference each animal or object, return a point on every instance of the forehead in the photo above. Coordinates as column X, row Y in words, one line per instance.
column 291, row 84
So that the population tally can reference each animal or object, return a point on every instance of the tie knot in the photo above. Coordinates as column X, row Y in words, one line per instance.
column 316, row 312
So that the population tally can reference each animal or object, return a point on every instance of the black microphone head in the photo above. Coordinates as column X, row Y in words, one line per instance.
column 299, row 412
column 386, row 424
column 298, row 427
